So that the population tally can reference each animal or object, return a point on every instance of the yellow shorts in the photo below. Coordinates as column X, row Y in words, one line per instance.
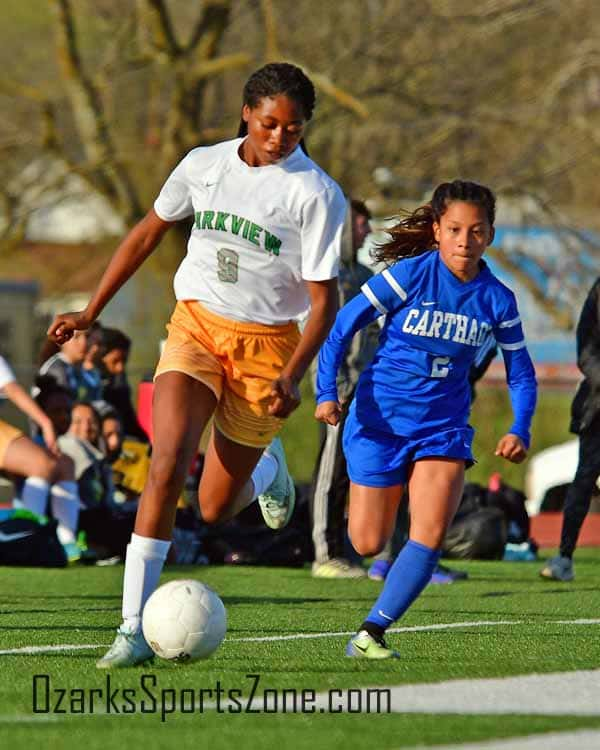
column 237, row 361
column 8, row 433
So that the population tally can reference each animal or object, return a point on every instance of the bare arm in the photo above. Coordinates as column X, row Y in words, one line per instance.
column 323, row 308
column 138, row 244
column 23, row 401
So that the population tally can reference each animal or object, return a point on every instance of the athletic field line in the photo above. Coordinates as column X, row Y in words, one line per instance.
column 305, row 636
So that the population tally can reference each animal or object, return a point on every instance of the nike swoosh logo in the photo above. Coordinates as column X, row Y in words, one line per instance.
column 426, row 304
column 13, row 537
column 383, row 614
column 360, row 648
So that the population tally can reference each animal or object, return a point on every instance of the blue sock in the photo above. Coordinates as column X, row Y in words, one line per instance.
column 408, row 576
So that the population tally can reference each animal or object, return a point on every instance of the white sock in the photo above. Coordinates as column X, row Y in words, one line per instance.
column 143, row 565
column 64, row 499
column 34, row 495
column 264, row 473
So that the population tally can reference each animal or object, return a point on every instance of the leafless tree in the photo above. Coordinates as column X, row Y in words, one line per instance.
column 503, row 91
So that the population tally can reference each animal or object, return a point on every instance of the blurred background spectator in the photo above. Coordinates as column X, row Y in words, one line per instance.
column 107, row 527
column 65, row 365
column 43, row 474
column 113, row 352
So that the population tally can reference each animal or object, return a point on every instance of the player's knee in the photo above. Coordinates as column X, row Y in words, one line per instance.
column 431, row 535
column 165, row 475
column 367, row 543
column 45, row 467
column 211, row 511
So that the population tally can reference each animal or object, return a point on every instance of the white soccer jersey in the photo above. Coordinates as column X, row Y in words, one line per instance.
column 257, row 232
column 6, row 374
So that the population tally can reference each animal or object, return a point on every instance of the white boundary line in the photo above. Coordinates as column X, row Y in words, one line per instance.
column 579, row 739
column 411, row 629
column 537, row 694
column 305, row 636
column 50, row 649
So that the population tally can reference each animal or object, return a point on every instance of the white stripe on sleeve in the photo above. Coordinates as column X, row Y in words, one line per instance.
column 510, row 323
column 394, row 284
column 368, row 292
column 512, row 347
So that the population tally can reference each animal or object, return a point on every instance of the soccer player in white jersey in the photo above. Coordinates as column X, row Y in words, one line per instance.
column 264, row 247
column 409, row 421
column 49, row 486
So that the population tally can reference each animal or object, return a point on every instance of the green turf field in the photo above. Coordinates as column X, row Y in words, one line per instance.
column 81, row 606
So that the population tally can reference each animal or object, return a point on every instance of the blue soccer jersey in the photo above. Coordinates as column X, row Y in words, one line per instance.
column 434, row 327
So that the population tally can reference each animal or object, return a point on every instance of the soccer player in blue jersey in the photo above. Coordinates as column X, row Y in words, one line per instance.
column 409, row 421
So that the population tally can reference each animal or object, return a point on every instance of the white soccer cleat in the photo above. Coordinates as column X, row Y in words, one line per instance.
column 278, row 500
column 127, row 650
column 337, row 567
column 558, row 569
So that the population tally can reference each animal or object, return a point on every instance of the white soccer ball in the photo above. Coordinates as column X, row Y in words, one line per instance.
column 184, row 620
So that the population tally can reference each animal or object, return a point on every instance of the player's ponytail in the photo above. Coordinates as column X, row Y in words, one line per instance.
column 413, row 235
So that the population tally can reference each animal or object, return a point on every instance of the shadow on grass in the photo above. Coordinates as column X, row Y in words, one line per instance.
column 69, row 628
column 275, row 600
column 54, row 611
column 561, row 590
column 232, row 600
column 493, row 614
column 93, row 597
column 65, row 654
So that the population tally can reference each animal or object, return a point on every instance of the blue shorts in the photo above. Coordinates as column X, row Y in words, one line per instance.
column 381, row 459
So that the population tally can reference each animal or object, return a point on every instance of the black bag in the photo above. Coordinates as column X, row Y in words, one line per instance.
column 24, row 540
column 245, row 540
column 479, row 535
column 512, row 503
column 479, row 529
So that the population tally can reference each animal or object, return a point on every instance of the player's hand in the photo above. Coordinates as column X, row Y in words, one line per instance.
column 285, row 397
column 329, row 412
column 49, row 436
column 64, row 326
column 512, row 448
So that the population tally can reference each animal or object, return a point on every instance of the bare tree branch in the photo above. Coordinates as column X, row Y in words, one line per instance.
column 155, row 30
column 272, row 53
column 209, row 28
column 208, row 68
column 22, row 90
column 586, row 57
column 89, row 116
